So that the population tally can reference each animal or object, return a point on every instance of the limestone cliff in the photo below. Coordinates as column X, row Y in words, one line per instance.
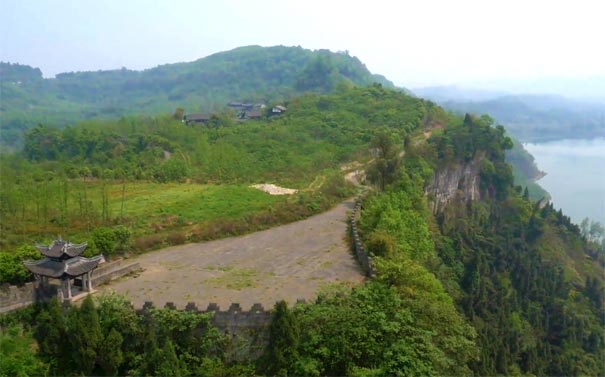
column 455, row 181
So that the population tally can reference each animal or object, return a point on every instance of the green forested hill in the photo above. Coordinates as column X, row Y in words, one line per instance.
column 316, row 134
column 497, row 285
column 253, row 73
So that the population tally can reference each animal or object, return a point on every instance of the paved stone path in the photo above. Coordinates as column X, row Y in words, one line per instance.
column 287, row 262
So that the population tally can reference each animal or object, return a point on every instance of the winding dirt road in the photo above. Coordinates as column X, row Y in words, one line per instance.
column 288, row 262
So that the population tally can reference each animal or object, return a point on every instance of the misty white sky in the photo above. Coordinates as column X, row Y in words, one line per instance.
column 413, row 43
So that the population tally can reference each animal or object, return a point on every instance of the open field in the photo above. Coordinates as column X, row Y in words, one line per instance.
column 152, row 202
column 287, row 262
column 73, row 208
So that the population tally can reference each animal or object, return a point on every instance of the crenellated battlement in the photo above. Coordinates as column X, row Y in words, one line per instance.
column 362, row 255
column 229, row 320
column 248, row 330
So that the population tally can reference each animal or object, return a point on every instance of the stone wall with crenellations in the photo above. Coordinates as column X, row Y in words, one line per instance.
column 247, row 330
column 362, row 255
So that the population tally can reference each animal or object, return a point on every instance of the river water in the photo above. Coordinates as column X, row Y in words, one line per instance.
column 575, row 176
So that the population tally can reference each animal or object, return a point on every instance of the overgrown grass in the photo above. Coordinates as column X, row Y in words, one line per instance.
column 160, row 214
column 173, row 204
column 146, row 208
column 234, row 278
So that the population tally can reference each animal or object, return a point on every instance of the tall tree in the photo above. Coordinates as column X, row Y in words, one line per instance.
column 85, row 336
column 281, row 353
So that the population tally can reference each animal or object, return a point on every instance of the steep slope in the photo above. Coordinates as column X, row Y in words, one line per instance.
column 252, row 73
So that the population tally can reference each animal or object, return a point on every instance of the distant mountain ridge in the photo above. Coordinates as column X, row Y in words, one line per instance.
column 528, row 117
column 251, row 73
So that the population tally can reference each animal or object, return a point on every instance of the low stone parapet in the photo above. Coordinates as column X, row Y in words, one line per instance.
column 14, row 297
column 361, row 254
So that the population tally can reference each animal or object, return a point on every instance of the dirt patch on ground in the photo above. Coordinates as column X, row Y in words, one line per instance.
column 289, row 262
column 272, row 189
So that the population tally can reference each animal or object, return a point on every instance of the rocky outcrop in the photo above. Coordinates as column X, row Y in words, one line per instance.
column 456, row 181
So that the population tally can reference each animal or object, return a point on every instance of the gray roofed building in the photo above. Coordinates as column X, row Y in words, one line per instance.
column 277, row 110
column 62, row 249
column 62, row 261
column 196, row 118
column 73, row 267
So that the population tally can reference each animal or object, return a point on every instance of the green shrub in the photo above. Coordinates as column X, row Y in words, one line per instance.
column 104, row 240
column 12, row 270
column 122, row 236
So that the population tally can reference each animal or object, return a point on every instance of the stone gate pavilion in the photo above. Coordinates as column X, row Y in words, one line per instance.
column 63, row 261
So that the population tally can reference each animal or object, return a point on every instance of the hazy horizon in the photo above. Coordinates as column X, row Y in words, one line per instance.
column 412, row 44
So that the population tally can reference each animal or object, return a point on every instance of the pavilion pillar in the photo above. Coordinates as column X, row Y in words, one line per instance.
column 89, row 280
column 68, row 288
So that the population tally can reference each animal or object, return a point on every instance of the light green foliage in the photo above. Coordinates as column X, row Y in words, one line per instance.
column 122, row 237
column 245, row 74
column 11, row 267
column 17, row 355
column 374, row 330
column 401, row 215
column 104, row 240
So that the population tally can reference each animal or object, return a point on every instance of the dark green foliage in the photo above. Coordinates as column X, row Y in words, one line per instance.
column 520, row 301
column 387, row 159
column 525, row 170
column 85, row 337
column 51, row 333
column 514, row 262
column 515, row 269
column 281, row 353
column 110, row 338
column 110, row 355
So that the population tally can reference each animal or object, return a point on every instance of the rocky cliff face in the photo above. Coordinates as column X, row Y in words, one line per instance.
column 458, row 181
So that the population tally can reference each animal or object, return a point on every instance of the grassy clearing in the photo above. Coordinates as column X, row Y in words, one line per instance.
column 234, row 278
column 149, row 203
column 75, row 208
column 157, row 214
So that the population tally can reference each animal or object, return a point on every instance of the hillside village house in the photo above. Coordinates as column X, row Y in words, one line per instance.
column 196, row 118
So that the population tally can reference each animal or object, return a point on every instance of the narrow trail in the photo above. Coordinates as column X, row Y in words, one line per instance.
column 289, row 262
